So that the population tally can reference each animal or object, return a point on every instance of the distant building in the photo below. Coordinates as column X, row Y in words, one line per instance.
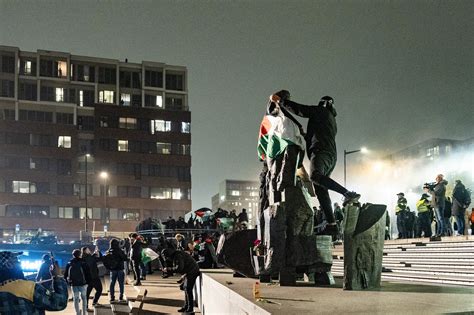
column 238, row 194
column 133, row 121
column 430, row 149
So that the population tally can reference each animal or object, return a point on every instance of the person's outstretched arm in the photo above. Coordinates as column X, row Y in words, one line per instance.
column 298, row 109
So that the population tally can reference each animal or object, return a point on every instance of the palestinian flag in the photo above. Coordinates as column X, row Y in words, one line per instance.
column 276, row 133
column 202, row 212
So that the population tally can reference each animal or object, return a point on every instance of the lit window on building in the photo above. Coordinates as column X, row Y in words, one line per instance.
column 185, row 149
column 82, row 212
column 81, row 98
column 163, row 148
column 157, row 125
column 159, row 101
column 23, row 187
column 222, row 198
column 176, row 193
column 185, row 127
column 125, row 99
column 106, row 97
column 122, row 145
column 27, row 68
column 447, row 149
column 235, row 193
column 65, row 212
column 64, row 142
column 59, row 95
column 127, row 123
column 160, row 193
column 62, row 69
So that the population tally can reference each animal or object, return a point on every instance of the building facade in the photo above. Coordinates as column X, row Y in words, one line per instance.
column 65, row 120
column 238, row 194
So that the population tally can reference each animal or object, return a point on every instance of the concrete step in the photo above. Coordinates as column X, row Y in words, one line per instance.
column 462, row 249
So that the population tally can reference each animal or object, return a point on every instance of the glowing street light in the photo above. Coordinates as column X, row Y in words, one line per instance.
column 105, row 176
column 362, row 150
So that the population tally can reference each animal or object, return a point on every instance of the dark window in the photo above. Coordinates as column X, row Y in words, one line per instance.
column 174, row 82
column 42, row 188
column 107, row 75
column 80, row 190
column 64, row 118
column 84, row 73
column 184, row 174
column 65, row 189
column 125, row 79
column 136, row 84
column 27, row 91
column 128, row 191
column 40, row 164
column 46, row 68
column 86, row 146
column 64, row 167
column 136, row 100
column 153, row 78
column 48, row 93
column 87, row 98
column 7, row 114
column 134, row 146
column 108, row 144
column 17, row 138
column 7, row 88
column 38, row 116
column 8, row 64
column 27, row 211
column 85, row 123
column 174, row 102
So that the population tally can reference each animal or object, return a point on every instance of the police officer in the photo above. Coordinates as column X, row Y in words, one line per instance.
column 424, row 217
column 400, row 210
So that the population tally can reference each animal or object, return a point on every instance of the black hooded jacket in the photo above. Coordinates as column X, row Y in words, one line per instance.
column 322, row 127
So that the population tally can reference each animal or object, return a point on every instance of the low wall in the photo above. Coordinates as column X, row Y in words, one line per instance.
column 215, row 298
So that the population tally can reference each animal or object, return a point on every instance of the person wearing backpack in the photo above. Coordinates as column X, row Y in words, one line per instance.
column 114, row 261
column 95, row 282
column 77, row 274
column 461, row 200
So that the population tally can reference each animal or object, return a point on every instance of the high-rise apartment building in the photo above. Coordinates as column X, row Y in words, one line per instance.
column 238, row 194
column 81, row 132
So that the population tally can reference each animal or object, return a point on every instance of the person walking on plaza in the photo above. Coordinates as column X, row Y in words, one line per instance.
column 438, row 197
column 400, row 212
column 424, row 216
column 20, row 296
column 95, row 281
column 184, row 264
column 114, row 261
column 136, row 256
column 321, row 149
column 77, row 274
column 461, row 200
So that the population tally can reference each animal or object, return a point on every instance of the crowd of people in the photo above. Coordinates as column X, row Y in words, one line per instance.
column 447, row 213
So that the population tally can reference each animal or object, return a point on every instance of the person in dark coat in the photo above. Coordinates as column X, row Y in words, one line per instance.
column 95, row 281
column 44, row 274
column 447, row 215
column 321, row 149
column 118, row 258
column 461, row 201
column 77, row 274
column 136, row 256
column 438, row 198
column 187, row 266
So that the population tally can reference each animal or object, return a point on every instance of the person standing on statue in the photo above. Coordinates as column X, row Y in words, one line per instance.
column 321, row 148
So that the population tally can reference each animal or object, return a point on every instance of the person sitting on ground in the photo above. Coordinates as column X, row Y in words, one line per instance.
column 95, row 281
column 20, row 296
column 77, row 274
column 187, row 266
column 114, row 261
column 44, row 273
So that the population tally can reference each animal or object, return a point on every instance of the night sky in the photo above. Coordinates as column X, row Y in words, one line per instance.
column 400, row 71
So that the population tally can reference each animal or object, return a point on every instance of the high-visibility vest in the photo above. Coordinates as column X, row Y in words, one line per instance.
column 422, row 206
column 400, row 207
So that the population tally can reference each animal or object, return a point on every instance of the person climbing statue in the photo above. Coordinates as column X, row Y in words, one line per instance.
column 321, row 149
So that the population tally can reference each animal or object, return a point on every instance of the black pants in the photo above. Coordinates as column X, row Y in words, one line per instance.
column 97, row 285
column 136, row 269
column 401, row 224
column 424, row 221
column 322, row 165
column 189, row 283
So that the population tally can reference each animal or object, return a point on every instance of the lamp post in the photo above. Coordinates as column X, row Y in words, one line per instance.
column 105, row 176
column 85, row 216
column 346, row 153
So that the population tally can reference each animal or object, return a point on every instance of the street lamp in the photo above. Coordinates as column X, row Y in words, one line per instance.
column 105, row 176
column 85, row 217
column 346, row 153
